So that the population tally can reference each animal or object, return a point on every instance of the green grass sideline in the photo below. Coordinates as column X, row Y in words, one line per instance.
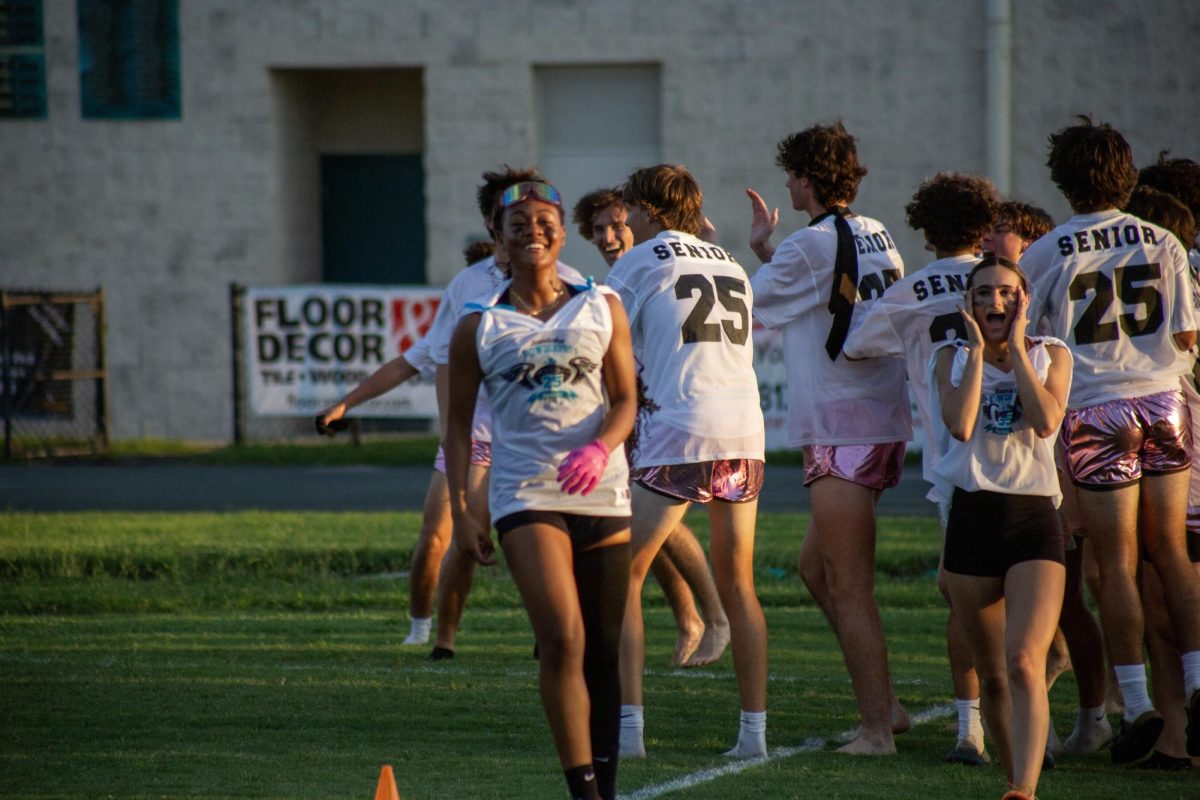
column 174, row 678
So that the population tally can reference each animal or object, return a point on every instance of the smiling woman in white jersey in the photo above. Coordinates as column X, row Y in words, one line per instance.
column 557, row 367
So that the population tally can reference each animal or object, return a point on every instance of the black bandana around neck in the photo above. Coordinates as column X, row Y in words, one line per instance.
column 845, row 280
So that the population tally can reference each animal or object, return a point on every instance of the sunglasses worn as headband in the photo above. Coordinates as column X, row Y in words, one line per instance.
column 530, row 189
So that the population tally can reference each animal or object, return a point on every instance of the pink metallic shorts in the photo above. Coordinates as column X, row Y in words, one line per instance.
column 734, row 480
column 1113, row 444
column 875, row 466
column 481, row 456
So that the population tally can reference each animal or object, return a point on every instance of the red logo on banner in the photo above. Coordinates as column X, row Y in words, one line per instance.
column 411, row 320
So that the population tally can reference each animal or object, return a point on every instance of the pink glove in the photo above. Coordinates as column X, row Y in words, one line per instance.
column 581, row 470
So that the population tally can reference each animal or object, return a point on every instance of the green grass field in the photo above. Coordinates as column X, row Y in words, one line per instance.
column 257, row 655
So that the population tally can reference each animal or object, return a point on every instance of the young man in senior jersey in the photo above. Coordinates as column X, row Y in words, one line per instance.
column 915, row 314
column 851, row 419
column 681, row 567
column 1166, row 680
column 699, row 436
column 1116, row 289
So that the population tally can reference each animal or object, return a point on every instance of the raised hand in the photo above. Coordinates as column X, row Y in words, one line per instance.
column 762, row 225
column 1020, row 323
column 974, row 334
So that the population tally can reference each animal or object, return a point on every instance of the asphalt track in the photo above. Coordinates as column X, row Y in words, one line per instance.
column 189, row 487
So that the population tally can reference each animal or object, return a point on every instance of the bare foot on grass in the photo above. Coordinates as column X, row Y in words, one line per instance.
column 900, row 721
column 691, row 634
column 861, row 746
column 712, row 646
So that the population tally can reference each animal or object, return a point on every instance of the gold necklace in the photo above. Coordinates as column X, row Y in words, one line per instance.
column 528, row 308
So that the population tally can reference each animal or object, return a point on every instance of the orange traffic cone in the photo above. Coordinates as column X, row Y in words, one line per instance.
column 386, row 790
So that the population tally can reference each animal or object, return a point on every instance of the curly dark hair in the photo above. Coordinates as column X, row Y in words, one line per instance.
column 669, row 194
column 495, row 182
column 1164, row 210
column 1179, row 177
column 478, row 250
column 590, row 205
column 828, row 157
column 1092, row 165
column 954, row 210
column 1029, row 222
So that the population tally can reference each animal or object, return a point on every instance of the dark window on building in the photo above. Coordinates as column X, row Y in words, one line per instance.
column 129, row 59
column 22, row 60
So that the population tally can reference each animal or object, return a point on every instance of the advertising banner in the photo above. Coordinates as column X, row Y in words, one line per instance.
column 307, row 346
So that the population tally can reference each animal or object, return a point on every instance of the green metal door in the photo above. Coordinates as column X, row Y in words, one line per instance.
column 373, row 219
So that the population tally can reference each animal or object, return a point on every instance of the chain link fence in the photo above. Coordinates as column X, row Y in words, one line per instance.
column 53, row 381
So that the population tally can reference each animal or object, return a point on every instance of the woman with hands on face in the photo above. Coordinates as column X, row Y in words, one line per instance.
column 1002, row 396
column 557, row 365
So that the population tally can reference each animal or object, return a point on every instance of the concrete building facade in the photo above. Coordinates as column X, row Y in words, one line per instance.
column 165, row 214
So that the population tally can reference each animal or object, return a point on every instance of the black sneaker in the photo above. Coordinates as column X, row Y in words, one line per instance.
column 964, row 753
column 1193, row 724
column 1161, row 761
column 1135, row 741
column 441, row 653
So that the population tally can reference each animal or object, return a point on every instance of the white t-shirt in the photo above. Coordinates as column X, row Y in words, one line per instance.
column 1114, row 288
column 1003, row 454
column 546, row 387
column 477, row 282
column 689, row 306
column 915, row 315
column 836, row 402
column 419, row 357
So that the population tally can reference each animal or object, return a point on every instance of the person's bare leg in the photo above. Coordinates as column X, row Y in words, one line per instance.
column 432, row 542
column 654, row 517
column 843, row 515
column 1163, row 525
column 683, row 607
column 1111, row 519
column 1113, row 702
column 688, row 557
column 539, row 557
column 1033, row 599
column 733, row 565
column 979, row 604
column 812, row 571
column 458, row 567
column 1166, row 673
column 1086, row 644
column 963, row 677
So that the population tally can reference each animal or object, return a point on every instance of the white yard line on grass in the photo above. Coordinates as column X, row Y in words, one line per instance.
column 734, row 767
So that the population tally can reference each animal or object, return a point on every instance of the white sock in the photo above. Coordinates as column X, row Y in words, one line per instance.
column 1132, row 680
column 631, row 732
column 1191, row 673
column 970, row 725
column 752, row 735
column 1089, row 716
column 419, row 631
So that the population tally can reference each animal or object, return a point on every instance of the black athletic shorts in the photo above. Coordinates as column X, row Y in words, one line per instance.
column 584, row 530
column 989, row 532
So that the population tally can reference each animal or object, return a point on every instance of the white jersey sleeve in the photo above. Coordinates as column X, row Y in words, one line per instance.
column 785, row 286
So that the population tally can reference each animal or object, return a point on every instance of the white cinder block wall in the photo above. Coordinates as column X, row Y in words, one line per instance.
column 164, row 214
